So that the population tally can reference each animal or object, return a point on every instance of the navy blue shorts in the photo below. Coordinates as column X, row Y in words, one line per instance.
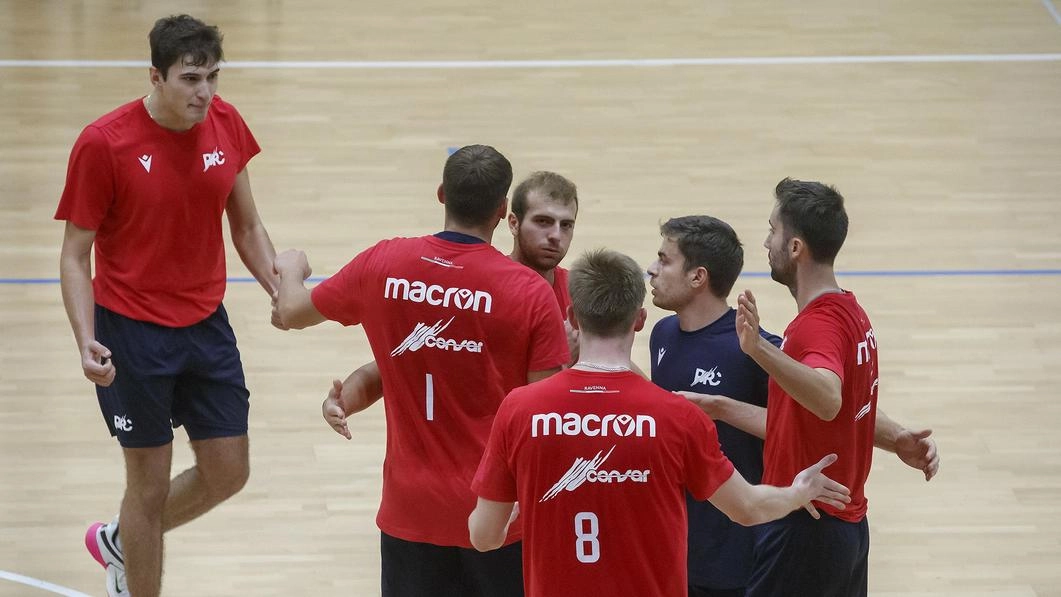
column 798, row 555
column 412, row 569
column 168, row 377
column 695, row 591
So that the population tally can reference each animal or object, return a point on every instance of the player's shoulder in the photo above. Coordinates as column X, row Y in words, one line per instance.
column 115, row 119
column 770, row 337
column 832, row 310
column 399, row 243
column 668, row 324
column 222, row 108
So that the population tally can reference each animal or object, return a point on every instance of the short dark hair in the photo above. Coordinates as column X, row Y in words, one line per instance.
column 550, row 184
column 184, row 38
column 814, row 212
column 607, row 289
column 709, row 243
column 475, row 181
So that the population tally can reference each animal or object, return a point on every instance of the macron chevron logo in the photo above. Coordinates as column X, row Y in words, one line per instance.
column 145, row 161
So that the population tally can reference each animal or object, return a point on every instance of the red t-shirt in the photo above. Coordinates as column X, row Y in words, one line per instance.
column 453, row 328
column 563, row 297
column 834, row 333
column 155, row 199
column 599, row 463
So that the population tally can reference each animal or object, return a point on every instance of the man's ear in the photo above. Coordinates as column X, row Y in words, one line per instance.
column 571, row 317
column 441, row 194
column 513, row 224
column 699, row 277
column 639, row 321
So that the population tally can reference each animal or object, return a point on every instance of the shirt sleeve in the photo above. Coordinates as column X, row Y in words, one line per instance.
column 89, row 190
column 495, row 479
column 341, row 297
column 706, row 467
column 248, row 144
column 548, row 346
column 818, row 343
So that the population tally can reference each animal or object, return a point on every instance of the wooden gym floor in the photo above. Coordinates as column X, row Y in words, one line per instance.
column 940, row 122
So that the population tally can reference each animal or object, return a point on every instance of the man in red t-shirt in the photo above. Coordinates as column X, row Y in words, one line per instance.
column 822, row 398
column 542, row 223
column 454, row 325
column 599, row 459
column 146, row 188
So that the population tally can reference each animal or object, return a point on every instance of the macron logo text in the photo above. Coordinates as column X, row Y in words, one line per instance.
column 419, row 292
column 592, row 425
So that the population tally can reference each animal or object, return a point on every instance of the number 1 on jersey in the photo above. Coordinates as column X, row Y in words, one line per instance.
column 430, row 397
column 587, row 548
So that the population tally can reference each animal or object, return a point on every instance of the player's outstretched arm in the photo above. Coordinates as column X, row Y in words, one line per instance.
column 914, row 447
column 749, row 418
column 293, row 303
column 818, row 390
column 361, row 390
column 755, row 504
column 488, row 523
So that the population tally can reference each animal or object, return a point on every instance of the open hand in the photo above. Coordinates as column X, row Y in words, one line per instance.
column 816, row 487
column 748, row 323
column 918, row 450
column 333, row 411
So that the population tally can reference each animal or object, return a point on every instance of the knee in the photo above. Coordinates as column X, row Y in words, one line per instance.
column 149, row 497
column 233, row 481
column 227, row 477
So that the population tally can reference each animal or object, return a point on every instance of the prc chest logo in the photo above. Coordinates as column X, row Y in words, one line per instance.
column 216, row 158
column 712, row 377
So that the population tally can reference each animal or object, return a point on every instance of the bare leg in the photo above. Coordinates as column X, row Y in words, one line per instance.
column 222, row 466
column 147, row 487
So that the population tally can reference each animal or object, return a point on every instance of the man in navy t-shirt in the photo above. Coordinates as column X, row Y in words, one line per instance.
column 697, row 350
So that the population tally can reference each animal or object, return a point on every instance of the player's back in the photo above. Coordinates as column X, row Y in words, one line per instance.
column 453, row 327
column 601, row 463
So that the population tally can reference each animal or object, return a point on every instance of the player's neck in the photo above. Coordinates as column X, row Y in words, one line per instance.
column 704, row 310
column 486, row 233
column 813, row 282
column 163, row 118
column 605, row 353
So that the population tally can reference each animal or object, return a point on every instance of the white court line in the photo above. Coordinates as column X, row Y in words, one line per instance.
column 40, row 584
column 602, row 63
column 1053, row 11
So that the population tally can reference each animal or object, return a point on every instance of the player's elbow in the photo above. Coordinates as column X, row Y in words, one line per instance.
column 484, row 539
column 482, row 544
column 829, row 413
column 829, row 408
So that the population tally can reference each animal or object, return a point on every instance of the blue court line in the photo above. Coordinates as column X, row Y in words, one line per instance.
column 898, row 273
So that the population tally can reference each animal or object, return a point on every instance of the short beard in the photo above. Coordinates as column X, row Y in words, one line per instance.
column 785, row 276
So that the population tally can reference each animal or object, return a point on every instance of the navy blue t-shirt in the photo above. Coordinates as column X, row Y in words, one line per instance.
column 710, row 361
